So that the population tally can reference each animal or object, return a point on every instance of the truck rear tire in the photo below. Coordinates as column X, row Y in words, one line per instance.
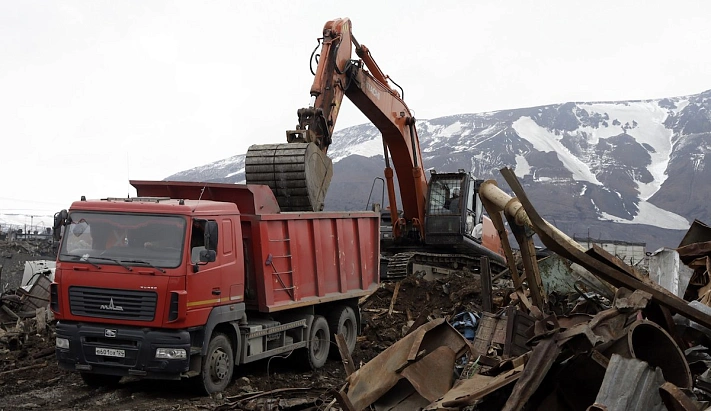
column 343, row 321
column 318, row 343
column 100, row 380
column 218, row 365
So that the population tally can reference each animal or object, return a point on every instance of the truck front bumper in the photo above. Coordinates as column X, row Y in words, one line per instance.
column 114, row 350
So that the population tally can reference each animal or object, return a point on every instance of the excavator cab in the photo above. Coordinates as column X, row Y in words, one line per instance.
column 454, row 210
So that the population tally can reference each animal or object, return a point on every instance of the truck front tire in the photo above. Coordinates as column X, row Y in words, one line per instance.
column 319, row 343
column 218, row 365
column 343, row 321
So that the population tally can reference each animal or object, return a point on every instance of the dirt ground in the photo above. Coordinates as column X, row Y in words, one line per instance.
column 30, row 378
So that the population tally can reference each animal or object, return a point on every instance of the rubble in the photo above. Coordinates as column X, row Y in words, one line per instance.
column 583, row 330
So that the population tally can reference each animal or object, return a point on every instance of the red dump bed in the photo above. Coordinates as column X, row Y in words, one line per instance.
column 292, row 259
column 307, row 258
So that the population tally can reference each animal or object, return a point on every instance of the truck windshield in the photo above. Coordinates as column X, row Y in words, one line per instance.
column 124, row 239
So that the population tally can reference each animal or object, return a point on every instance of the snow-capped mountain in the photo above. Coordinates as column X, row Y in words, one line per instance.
column 626, row 170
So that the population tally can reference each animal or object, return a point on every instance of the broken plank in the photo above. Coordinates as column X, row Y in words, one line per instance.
column 392, row 301
column 345, row 355
column 29, row 367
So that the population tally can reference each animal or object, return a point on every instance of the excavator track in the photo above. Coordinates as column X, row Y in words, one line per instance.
column 401, row 265
column 297, row 173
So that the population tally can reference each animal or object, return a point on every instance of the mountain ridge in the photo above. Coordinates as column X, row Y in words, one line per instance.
column 633, row 170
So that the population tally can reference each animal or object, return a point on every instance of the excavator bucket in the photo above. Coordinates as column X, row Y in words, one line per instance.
column 298, row 173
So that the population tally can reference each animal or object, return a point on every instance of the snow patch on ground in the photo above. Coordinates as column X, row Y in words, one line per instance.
column 545, row 141
column 649, row 214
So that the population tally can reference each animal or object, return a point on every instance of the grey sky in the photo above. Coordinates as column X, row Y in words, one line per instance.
column 93, row 93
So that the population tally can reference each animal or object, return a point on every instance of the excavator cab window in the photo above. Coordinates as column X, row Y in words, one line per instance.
column 446, row 197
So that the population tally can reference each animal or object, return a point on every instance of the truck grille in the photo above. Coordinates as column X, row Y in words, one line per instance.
column 113, row 303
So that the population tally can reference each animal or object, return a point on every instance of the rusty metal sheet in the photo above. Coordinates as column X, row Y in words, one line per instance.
column 689, row 253
column 698, row 233
column 469, row 391
column 675, row 399
column 432, row 376
column 561, row 244
column 518, row 324
column 542, row 358
column 402, row 397
column 374, row 379
column 630, row 385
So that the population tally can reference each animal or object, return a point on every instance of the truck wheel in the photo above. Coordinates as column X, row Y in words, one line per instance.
column 319, row 343
column 100, row 380
column 343, row 321
column 217, row 365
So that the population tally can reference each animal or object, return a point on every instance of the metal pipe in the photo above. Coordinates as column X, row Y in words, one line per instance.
column 513, row 208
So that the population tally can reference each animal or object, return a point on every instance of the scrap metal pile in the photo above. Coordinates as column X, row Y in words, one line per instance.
column 617, row 341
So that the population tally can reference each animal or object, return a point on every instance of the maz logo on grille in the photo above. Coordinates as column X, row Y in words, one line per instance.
column 111, row 306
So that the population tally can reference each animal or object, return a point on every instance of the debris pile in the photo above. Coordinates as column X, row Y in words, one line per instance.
column 15, row 253
column 607, row 337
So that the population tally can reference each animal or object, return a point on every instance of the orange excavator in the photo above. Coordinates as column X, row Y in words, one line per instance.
column 441, row 225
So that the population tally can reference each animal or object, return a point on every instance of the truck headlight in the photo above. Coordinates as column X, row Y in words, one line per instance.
column 62, row 343
column 171, row 353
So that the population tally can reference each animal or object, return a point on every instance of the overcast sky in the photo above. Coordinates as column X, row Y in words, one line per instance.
column 93, row 93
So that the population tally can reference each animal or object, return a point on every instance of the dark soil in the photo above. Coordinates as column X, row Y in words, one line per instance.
column 30, row 378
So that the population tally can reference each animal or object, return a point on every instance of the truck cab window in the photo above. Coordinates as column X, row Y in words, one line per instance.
column 197, row 238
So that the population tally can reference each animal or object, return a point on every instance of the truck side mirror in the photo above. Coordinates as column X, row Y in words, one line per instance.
column 60, row 220
column 208, row 256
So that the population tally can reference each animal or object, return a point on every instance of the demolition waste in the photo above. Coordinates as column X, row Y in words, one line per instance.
column 577, row 329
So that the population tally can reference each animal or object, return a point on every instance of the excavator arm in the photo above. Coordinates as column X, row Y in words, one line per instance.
column 299, row 172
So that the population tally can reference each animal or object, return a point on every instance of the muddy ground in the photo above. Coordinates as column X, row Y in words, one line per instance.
column 30, row 378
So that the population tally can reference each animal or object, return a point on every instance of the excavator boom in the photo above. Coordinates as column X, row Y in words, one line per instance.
column 299, row 172
column 434, row 231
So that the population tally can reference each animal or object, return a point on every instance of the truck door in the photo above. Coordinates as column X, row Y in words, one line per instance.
column 204, row 279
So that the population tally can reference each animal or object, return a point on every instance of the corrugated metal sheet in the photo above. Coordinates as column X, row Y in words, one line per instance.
column 631, row 385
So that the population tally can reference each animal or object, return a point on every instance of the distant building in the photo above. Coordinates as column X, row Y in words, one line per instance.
column 634, row 254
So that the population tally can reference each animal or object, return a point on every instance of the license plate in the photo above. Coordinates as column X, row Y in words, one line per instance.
column 110, row 352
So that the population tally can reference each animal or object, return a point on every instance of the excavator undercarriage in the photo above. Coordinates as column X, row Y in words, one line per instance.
column 424, row 264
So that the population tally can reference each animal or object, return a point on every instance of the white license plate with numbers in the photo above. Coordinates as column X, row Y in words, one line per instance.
column 110, row 352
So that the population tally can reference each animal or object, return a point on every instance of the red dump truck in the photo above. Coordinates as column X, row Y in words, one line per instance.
column 193, row 279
